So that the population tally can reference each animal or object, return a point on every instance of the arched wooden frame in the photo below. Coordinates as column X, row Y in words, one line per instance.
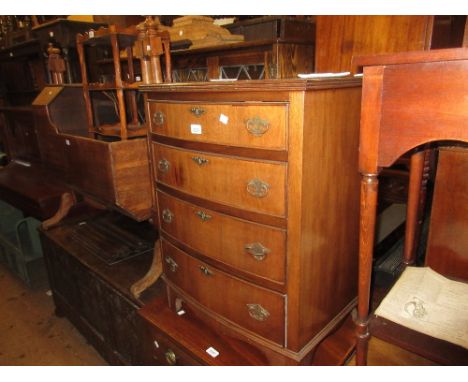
column 409, row 100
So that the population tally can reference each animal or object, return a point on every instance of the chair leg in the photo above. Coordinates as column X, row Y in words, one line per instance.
column 369, row 193
column 416, row 203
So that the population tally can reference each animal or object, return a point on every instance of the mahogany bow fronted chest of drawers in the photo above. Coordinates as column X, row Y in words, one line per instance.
column 256, row 192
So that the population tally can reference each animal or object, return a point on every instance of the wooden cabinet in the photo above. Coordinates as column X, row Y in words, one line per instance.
column 256, row 187
column 93, row 294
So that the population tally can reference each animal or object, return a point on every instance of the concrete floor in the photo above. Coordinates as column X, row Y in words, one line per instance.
column 30, row 333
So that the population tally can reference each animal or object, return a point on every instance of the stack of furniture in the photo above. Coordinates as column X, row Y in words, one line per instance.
column 251, row 186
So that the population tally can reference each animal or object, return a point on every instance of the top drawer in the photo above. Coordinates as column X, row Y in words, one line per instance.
column 237, row 124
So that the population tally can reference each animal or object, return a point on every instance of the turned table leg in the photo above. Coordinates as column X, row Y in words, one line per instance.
column 369, row 187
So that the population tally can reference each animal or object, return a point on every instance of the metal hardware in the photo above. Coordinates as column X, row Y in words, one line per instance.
column 198, row 111
column 167, row 216
column 163, row 165
column 158, row 118
column 172, row 264
column 257, row 126
column 257, row 188
column 257, row 250
column 200, row 161
column 258, row 312
column 170, row 357
column 203, row 216
column 205, row 270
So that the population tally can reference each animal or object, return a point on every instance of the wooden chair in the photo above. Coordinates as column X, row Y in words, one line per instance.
column 409, row 100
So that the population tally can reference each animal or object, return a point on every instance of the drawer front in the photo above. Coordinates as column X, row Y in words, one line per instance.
column 253, row 248
column 256, row 309
column 261, row 126
column 165, row 353
column 246, row 184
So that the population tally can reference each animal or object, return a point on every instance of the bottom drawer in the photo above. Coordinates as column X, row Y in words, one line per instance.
column 164, row 352
column 254, row 308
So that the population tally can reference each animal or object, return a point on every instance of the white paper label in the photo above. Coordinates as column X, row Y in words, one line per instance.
column 212, row 352
column 195, row 128
column 67, row 142
column 224, row 119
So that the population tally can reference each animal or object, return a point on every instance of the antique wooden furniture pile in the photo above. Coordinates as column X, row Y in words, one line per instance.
column 217, row 222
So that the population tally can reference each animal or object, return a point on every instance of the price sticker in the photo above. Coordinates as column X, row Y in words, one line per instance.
column 224, row 119
column 212, row 352
column 195, row 128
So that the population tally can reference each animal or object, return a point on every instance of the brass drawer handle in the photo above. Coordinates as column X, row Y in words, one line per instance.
column 257, row 126
column 257, row 250
column 172, row 264
column 258, row 312
column 167, row 216
column 170, row 357
column 200, row 161
column 205, row 271
column 203, row 215
column 198, row 111
column 257, row 188
column 163, row 166
column 158, row 118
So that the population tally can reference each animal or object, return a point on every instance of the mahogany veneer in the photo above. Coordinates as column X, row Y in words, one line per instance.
column 256, row 189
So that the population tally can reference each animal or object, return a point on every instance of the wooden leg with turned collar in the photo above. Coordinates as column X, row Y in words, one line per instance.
column 415, row 205
column 417, row 190
column 369, row 187
column 152, row 275
column 67, row 201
